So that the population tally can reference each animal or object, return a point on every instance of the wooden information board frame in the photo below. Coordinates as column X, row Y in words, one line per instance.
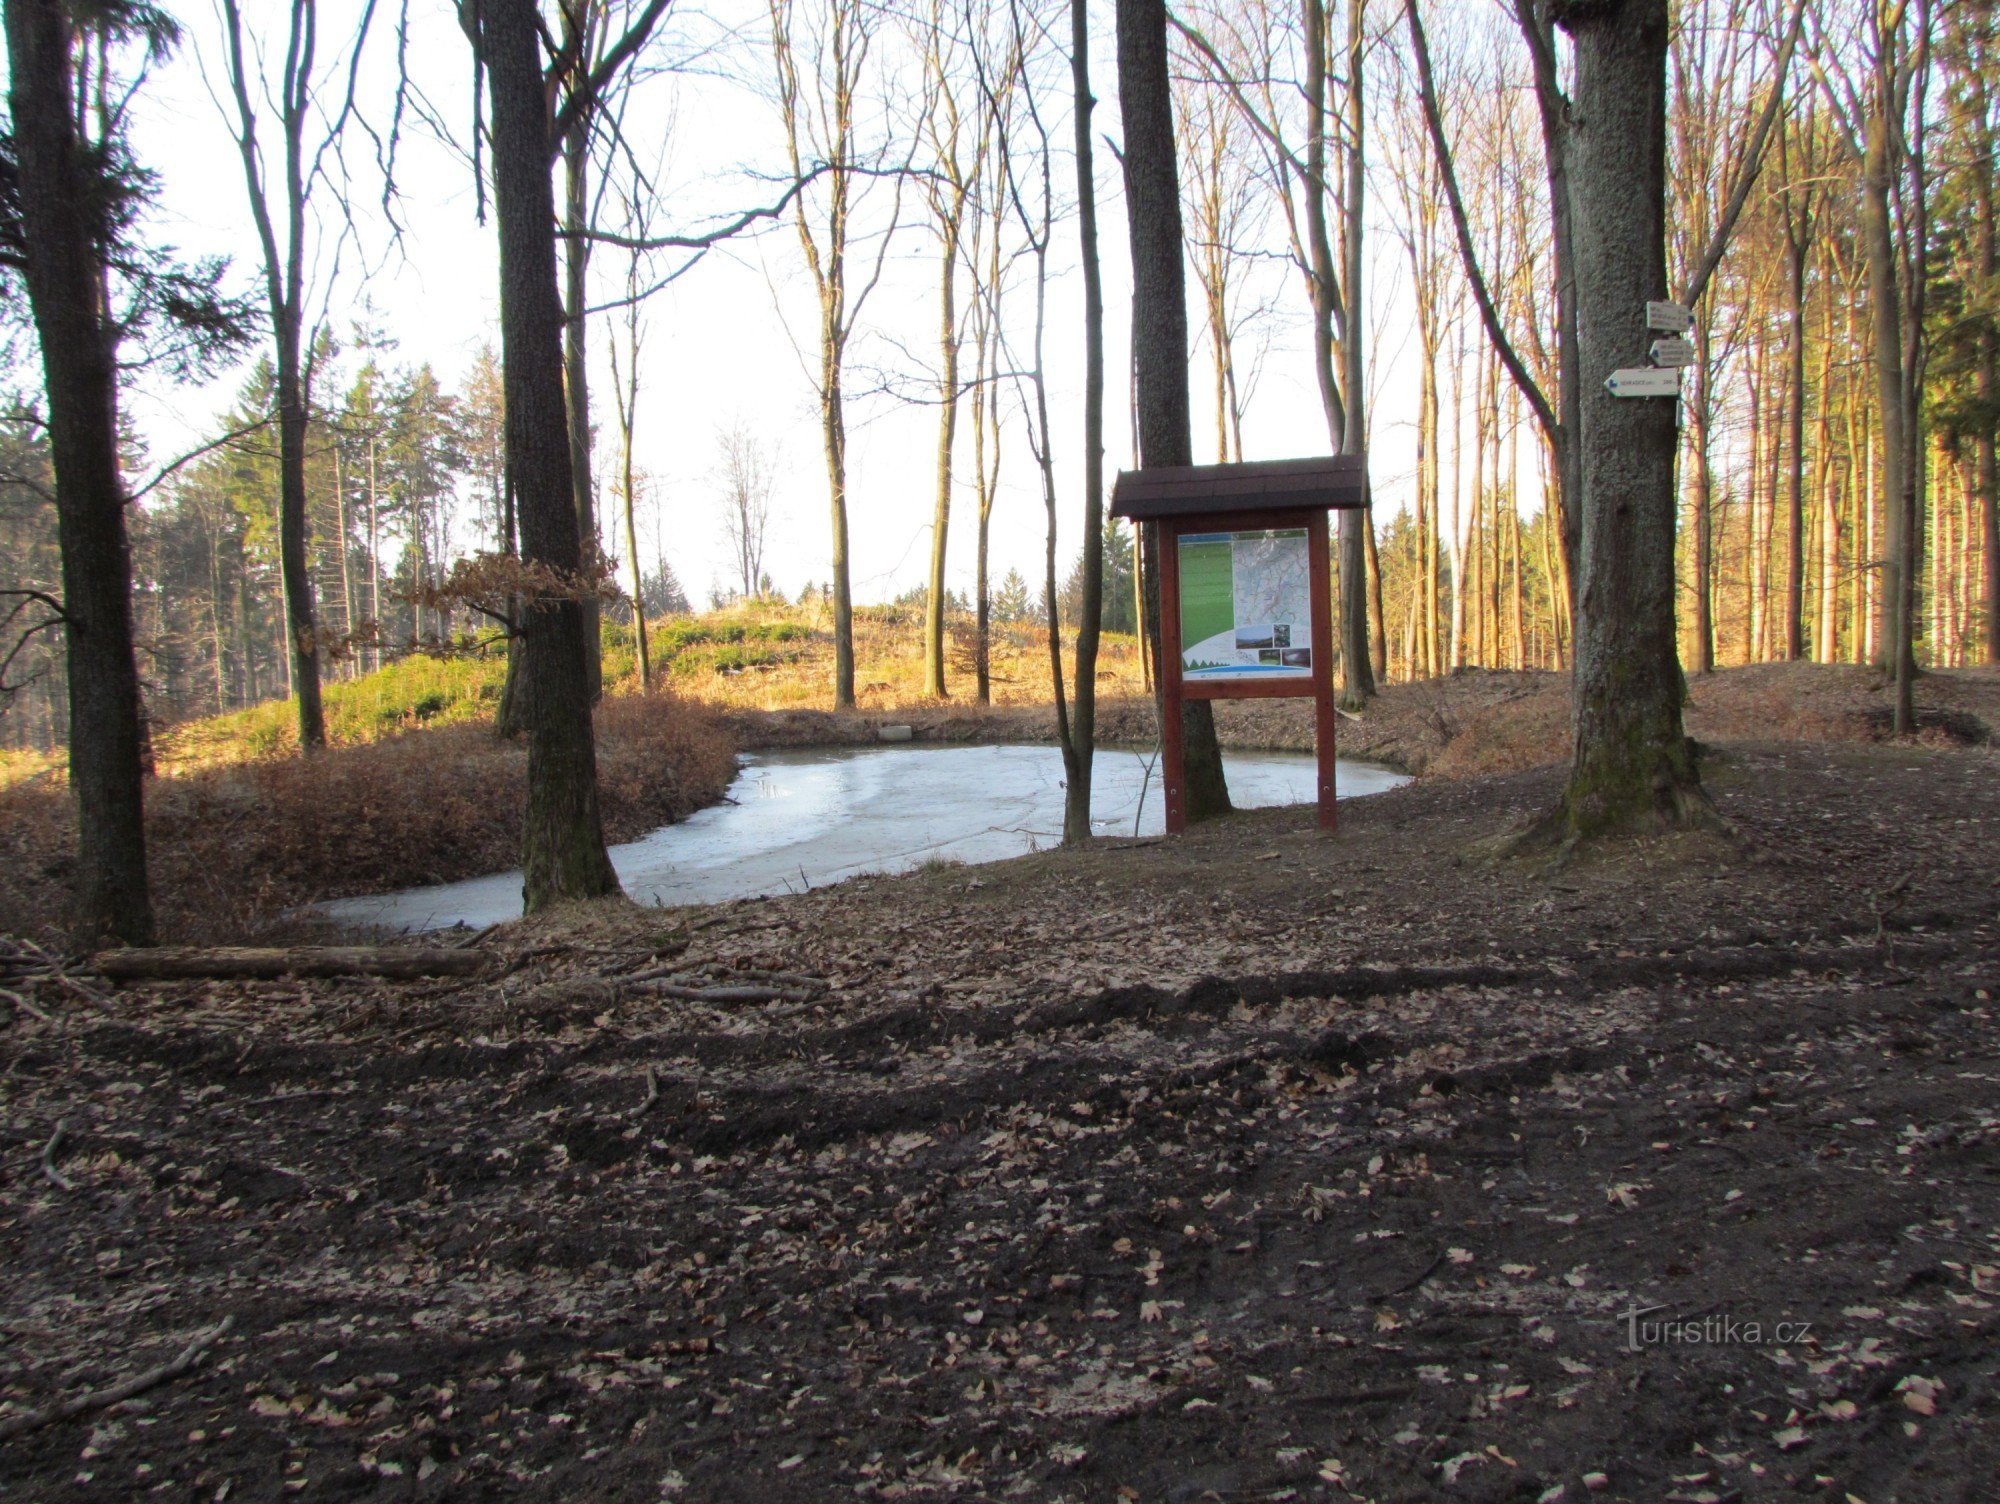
column 1258, row 496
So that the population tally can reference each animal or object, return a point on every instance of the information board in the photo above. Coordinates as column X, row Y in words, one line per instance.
column 1246, row 605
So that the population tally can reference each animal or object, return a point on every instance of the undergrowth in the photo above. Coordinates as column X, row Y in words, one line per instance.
column 235, row 850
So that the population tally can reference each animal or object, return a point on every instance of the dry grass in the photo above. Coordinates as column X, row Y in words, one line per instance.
column 234, row 850
column 889, row 664
column 25, row 765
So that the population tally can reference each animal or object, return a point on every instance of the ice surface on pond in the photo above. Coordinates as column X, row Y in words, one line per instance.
column 808, row 818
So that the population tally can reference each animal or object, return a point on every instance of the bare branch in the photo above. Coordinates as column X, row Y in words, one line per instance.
column 1468, row 254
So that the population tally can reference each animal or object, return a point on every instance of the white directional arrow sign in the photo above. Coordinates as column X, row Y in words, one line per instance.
column 1673, row 351
column 1644, row 381
column 1669, row 318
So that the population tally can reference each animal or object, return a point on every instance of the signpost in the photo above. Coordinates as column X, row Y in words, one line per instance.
column 1246, row 591
column 1673, row 351
column 1669, row 318
column 1644, row 381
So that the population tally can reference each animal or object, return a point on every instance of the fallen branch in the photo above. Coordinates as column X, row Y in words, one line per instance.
column 652, row 1095
column 782, row 978
column 725, row 994
column 56, row 1177
column 167, row 963
column 99, row 1399
column 23, row 1004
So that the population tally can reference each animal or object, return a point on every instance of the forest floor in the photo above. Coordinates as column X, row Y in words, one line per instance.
column 1251, row 1165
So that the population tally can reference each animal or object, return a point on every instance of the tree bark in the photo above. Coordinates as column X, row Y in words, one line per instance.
column 284, row 285
column 1633, row 763
column 1079, row 746
column 63, row 271
column 1893, row 470
column 1796, row 248
column 1159, row 331
column 563, row 854
column 1357, row 648
column 576, row 373
column 949, row 221
column 1703, row 406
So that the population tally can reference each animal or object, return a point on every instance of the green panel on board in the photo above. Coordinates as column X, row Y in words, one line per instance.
column 1208, row 588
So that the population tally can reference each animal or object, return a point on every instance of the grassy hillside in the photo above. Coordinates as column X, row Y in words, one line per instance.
column 757, row 656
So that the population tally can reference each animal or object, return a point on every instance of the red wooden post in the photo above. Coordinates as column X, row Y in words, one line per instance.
column 1173, row 759
column 1324, row 718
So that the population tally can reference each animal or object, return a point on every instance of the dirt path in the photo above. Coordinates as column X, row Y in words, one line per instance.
column 1251, row 1166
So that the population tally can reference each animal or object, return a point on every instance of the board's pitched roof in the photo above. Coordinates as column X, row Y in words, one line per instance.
column 1248, row 486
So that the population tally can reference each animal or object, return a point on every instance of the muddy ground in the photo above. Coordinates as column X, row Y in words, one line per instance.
column 1256, row 1165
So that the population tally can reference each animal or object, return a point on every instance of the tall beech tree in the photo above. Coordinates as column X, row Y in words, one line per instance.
column 563, row 854
column 820, row 52
column 64, row 192
column 282, row 238
column 1160, row 332
column 1633, row 763
column 1079, row 732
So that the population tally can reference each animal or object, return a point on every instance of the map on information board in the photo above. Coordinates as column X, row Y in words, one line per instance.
column 1246, row 605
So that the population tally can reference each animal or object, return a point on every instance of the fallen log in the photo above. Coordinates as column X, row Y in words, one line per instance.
column 167, row 963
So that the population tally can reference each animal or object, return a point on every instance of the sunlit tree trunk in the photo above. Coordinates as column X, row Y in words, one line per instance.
column 1633, row 762
column 62, row 267
column 562, row 848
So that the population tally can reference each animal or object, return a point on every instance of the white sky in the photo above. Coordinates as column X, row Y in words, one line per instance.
column 721, row 340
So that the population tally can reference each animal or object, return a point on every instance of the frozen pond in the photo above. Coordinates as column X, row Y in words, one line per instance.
column 807, row 818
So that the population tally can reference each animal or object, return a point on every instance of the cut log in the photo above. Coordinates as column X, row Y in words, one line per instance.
column 165, row 963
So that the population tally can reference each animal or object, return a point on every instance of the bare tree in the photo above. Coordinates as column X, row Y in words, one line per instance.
column 563, row 852
column 1079, row 732
column 625, row 385
column 820, row 51
column 61, row 192
column 1226, row 209
column 951, row 159
column 1878, row 108
column 1323, row 205
column 1633, row 762
column 745, row 473
column 996, row 57
column 1159, row 333
column 303, row 167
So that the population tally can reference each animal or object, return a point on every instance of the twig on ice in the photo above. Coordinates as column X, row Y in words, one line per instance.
column 99, row 1399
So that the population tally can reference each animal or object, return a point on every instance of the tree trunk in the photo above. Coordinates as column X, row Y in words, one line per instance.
column 1079, row 746
column 563, row 855
column 833, row 436
column 628, row 419
column 1795, row 440
column 346, row 556
column 947, row 431
column 576, row 376
column 62, row 266
column 301, row 625
column 1357, row 647
column 1159, row 331
column 1633, row 762
column 1893, row 469
column 1704, row 506
column 1986, row 474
